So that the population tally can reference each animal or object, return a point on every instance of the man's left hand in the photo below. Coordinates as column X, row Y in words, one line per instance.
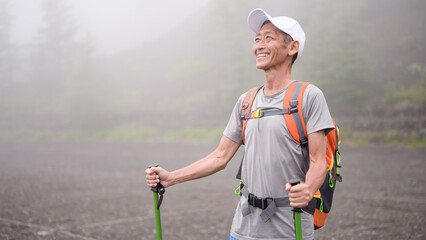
column 299, row 195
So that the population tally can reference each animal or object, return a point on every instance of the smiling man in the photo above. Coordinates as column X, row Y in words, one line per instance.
column 272, row 157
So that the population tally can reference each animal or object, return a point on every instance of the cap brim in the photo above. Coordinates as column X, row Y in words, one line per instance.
column 256, row 19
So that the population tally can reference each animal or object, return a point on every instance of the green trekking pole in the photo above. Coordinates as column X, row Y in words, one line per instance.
column 297, row 219
column 158, row 190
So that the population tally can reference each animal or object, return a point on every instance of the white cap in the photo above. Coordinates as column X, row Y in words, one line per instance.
column 288, row 25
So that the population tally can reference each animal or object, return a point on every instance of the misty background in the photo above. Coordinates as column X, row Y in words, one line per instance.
column 137, row 70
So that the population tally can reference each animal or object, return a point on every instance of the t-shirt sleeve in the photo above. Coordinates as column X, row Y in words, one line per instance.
column 234, row 128
column 315, row 111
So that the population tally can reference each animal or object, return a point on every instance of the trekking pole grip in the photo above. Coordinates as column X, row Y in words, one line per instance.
column 294, row 182
column 154, row 189
column 159, row 189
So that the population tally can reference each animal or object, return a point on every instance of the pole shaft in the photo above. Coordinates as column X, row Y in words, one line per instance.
column 157, row 217
column 297, row 225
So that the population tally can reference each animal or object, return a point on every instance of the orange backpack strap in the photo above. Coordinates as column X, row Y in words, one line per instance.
column 246, row 108
column 295, row 123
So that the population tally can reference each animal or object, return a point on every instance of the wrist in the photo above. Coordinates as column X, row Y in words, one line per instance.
column 312, row 190
column 172, row 178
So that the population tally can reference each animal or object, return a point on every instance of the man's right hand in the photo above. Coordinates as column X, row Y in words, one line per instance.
column 156, row 175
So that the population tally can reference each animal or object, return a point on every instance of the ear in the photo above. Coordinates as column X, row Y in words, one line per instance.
column 294, row 47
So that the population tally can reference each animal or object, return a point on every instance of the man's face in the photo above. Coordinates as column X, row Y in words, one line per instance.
column 269, row 47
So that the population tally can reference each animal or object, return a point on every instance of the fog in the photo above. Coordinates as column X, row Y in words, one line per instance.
column 135, row 70
column 114, row 25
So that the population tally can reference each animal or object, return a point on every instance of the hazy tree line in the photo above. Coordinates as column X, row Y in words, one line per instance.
column 368, row 57
column 7, row 59
column 50, row 82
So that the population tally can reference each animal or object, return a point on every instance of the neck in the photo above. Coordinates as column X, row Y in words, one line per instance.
column 276, row 80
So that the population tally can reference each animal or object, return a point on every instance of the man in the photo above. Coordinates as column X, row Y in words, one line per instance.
column 272, row 157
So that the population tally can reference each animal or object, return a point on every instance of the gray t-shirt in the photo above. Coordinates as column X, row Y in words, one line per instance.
column 272, row 157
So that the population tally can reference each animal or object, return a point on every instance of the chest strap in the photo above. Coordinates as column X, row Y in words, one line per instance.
column 259, row 113
column 268, row 205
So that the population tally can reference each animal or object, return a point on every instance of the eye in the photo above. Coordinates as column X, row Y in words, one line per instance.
column 257, row 40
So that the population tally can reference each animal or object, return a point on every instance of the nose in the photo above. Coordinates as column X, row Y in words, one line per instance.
column 258, row 46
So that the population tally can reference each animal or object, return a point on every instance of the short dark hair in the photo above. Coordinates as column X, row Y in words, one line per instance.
column 287, row 40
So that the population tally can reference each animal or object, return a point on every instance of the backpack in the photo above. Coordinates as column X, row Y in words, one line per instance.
column 292, row 111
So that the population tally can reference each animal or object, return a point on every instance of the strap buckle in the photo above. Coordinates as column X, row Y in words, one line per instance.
column 251, row 199
column 293, row 106
column 303, row 142
column 257, row 114
column 265, row 203
column 293, row 110
column 261, row 203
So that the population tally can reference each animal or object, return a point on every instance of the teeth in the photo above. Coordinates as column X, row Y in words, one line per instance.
column 261, row 55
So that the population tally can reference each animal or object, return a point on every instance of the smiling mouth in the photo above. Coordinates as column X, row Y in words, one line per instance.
column 261, row 55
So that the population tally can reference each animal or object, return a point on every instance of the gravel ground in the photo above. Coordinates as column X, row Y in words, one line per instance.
column 96, row 190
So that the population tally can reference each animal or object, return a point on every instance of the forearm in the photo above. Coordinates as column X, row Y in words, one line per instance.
column 202, row 168
column 214, row 162
column 315, row 176
column 318, row 164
